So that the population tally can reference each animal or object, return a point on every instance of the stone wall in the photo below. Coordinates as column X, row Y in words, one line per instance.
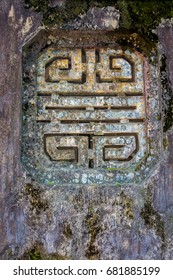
column 55, row 221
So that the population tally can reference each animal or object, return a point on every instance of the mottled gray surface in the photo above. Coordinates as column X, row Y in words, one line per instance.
column 106, row 18
column 95, row 223
column 98, row 222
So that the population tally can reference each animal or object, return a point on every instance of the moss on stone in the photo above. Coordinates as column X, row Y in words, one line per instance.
column 141, row 16
column 33, row 254
column 57, row 15
column 34, row 196
column 152, row 218
column 125, row 19
column 37, row 252
column 92, row 222
column 78, row 201
column 134, row 41
column 167, row 96
column 67, row 231
column 144, row 15
column 165, row 143
column 127, row 204
column 138, row 17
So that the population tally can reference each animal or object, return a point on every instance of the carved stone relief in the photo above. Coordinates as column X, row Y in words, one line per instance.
column 90, row 116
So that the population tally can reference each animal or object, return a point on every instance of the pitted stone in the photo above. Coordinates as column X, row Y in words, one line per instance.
column 90, row 116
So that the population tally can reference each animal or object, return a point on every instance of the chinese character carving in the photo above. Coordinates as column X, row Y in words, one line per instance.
column 90, row 122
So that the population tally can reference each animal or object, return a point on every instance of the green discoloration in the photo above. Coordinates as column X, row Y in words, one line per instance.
column 152, row 218
column 34, row 195
column 140, row 16
column 92, row 222
column 60, row 15
column 125, row 19
column 33, row 254
column 51, row 15
column 37, row 252
column 144, row 16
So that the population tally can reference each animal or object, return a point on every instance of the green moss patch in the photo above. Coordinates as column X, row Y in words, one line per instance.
column 35, row 198
column 144, row 15
column 92, row 222
column 152, row 218
column 37, row 252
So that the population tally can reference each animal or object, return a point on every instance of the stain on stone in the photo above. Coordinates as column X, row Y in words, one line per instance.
column 92, row 221
column 57, row 14
column 67, row 231
column 60, row 13
column 34, row 196
column 32, row 254
column 144, row 16
column 152, row 218
column 78, row 201
column 37, row 252
column 106, row 18
column 167, row 96
column 140, row 16
column 58, row 98
column 127, row 204
column 139, row 43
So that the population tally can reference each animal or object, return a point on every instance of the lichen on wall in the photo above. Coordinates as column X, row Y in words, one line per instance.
column 118, row 222
column 140, row 16
column 167, row 96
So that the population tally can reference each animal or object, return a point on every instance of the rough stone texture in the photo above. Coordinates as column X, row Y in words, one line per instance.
column 55, row 3
column 106, row 18
column 165, row 33
column 73, row 222
column 18, row 25
column 75, row 115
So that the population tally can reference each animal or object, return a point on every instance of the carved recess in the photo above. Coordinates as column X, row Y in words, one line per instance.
column 90, row 116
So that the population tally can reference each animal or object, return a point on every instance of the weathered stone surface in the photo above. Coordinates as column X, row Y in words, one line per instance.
column 106, row 18
column 17, row 26
column 165, row 33
column 93, row 101
column 55, row 3
column 73, row 221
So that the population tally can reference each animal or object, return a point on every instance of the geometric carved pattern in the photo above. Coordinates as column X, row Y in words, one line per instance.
column 90, row 150
column 95, row 86
column 86, row 71
column 53, row 69
column 87, row 122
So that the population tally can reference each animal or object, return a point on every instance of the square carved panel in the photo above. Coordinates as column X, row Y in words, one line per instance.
column 92, row 115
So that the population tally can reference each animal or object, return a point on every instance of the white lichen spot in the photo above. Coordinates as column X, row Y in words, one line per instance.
column 27, row 26
column 111, row 23
column 21, row 20
column 11, row 14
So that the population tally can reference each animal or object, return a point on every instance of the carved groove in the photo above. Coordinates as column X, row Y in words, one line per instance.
column 91, row 88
